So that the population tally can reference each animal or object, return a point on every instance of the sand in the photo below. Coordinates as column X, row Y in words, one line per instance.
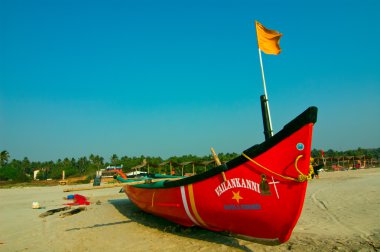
column 341, row 213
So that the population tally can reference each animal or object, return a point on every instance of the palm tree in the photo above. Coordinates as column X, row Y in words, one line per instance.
column 4, row 157
column 97, row 161
column 83, row 164
column 25, row 165
column 92, row 158
column 114, row 159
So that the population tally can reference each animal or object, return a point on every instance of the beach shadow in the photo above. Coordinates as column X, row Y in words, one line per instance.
column 100, row 225
column 128, row 209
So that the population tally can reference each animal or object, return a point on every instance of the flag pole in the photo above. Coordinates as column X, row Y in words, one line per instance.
column 266, row 102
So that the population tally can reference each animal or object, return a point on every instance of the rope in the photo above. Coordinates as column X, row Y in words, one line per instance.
column 301, row 177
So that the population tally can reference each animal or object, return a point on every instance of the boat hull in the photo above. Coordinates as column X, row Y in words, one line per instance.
column 257, row 196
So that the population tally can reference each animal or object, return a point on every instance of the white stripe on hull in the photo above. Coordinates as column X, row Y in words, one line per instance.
column 184, row 201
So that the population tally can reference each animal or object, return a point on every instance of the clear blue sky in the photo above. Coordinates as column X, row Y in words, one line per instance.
column 165, row 78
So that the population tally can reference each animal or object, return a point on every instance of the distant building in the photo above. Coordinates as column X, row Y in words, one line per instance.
column 35, row 174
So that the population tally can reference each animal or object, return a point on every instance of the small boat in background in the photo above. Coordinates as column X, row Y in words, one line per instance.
column 257, row 196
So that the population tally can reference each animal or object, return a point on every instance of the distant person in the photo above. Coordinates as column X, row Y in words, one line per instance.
column 315, row 168
column 316, row 171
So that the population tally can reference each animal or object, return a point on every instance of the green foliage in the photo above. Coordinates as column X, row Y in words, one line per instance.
column 371, row 153
column 10, row 173
column 4, row 157
column 22, row 170
column 42, row 175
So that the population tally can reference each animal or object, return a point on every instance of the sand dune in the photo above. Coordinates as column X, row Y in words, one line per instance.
column 341, row 212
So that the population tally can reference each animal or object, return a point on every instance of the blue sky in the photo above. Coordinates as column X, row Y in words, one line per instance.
column 165, row 78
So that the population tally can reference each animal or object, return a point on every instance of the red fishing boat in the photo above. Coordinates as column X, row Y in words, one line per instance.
column 257, row 196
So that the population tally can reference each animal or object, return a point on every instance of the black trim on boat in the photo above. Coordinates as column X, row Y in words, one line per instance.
column 308, row 116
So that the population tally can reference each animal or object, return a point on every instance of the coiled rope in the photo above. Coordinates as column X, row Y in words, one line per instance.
column 301, row 177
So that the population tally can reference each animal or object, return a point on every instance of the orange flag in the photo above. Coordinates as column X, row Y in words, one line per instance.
column 268, row 40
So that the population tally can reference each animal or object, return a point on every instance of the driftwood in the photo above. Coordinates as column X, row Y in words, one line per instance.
column 71, row 212
column 52, row 211
column 91, row 188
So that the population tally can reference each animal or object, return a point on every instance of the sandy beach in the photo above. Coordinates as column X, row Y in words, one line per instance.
column 341, row 213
